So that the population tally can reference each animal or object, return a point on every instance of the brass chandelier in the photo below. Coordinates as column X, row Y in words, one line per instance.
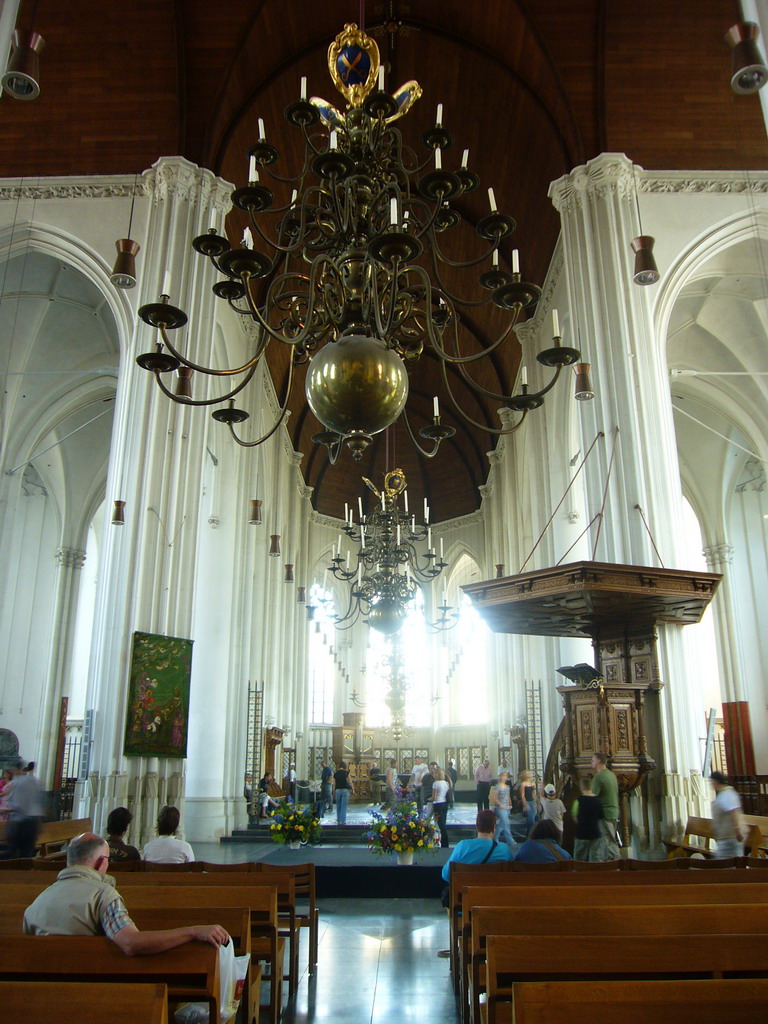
column 351, row 273
column 387, row 568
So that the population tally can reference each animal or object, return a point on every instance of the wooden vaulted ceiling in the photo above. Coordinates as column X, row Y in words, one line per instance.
column 532, row 89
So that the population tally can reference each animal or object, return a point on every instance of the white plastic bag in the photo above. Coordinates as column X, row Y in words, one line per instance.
column 232, row 973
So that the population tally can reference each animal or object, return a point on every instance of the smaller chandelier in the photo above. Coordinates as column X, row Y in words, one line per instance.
column 387, row 569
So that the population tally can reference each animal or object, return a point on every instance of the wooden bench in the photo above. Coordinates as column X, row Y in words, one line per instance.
column 53, row 835
column 666, row 919
column 702, row 829
column 191, row 972
column 648, row 894
column 513, row 959
column 761, row 823
column 635, row 1002
column 44, row 1002
column 261, row 900
column 284, row 880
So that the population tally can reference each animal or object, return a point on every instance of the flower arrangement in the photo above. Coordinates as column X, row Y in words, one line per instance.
column 401, row 830
column 294, row 823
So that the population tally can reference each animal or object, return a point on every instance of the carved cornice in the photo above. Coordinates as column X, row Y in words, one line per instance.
column 718, row 556
column 610, row 174
column 724, row 183
column 67, row 188
column 319, row 519
column 70, row 558
column 178, row 179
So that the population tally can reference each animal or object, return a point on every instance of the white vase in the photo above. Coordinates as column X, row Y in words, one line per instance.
column 295, row 845
column 406, row 857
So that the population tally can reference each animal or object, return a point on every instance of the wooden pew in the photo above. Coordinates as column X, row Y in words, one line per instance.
column 261, row 900
column 635, row 1002
column 703, row 829
column 609, row 894
column 53, row 835
column 666, row 919
column 502, row 876
column 305, row 889
column 761, row 823
column 236, row 921
column 283, row 879
column 191, row 972
column 514, row 959
column 45, row 1002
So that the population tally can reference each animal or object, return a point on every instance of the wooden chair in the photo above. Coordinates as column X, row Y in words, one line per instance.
column 187, row 868
column 305, row 889
column 119, row 1003
column 242, row 867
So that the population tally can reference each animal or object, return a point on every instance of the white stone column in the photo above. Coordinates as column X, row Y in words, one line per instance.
column 69, row 562
column 597, row 208
column 720, row 559
column 148, row 572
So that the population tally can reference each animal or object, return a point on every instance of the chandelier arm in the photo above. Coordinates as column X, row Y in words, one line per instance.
column 551, row 384
column 436, row 344
column 280, row 418
column 205, row 401
column 499, row 432
column 426, row 454
column 503, row 398
column 206, row 369
column 459, row 264
column 445, row 290
column 256, row 312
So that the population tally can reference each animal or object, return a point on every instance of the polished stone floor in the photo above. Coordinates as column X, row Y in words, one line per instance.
column 377, row 962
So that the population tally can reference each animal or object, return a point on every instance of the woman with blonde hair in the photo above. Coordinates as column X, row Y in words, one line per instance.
column 526, row 788
column 501, row 802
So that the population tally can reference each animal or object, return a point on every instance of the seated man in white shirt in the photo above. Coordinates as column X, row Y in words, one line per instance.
column 83, row 901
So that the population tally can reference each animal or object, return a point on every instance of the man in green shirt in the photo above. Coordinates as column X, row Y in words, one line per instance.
column 605, row 786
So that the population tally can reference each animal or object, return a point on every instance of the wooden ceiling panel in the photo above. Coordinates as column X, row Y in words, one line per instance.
column 532, row 89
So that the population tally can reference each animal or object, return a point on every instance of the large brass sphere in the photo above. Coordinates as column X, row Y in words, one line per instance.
column 387, row 615
column 356, row 384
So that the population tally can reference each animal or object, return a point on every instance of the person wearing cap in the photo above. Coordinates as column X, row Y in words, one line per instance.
column 84, row 901
column 553, row 809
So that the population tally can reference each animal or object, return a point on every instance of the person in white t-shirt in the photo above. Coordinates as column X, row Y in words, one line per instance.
column 420, row 769
column 553, row 809
column 167, row 849
column 440, row 803
column 726, row 818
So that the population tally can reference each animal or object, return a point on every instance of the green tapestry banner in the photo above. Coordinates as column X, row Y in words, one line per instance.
column 158, row 696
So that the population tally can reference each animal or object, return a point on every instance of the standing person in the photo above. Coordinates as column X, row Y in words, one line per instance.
column 292, row 782
column 501, row 797
column 427, row 784
column 726, row 818
column 326, row 787
column 117, row 825
column 343, row 787
column 248, row 795
column 588, row 812
column 166, row 848
column 391, row 794
column 526, row 789
column 376, row 782
column 24, row 799
column 83, row 901
column 553, row 809
column 605, row 787
column 420, row 769
column 483, row 784
column 440, row 804
column 503, row 767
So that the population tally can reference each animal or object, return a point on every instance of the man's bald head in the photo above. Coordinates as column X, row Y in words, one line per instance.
column 87, row 849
